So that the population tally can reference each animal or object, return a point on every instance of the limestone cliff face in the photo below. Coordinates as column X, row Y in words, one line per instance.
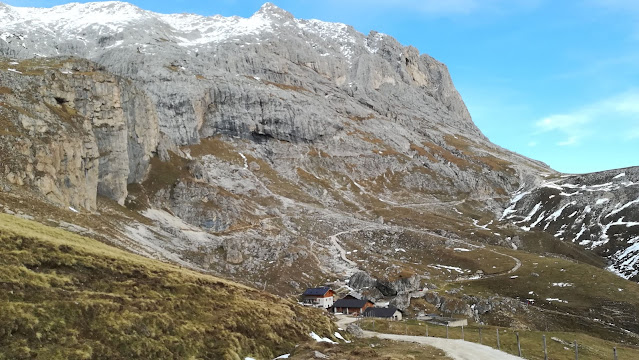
column 202, row 77
column 261, row 126
column 76, row 131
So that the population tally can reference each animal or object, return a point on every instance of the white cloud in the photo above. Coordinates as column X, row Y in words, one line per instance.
column 605, row 116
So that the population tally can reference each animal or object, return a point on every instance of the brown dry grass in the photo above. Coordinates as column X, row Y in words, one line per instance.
column 467, row 147
column 370, row 349
column 7, row 127
column 315, row 152
column 362, row 118
column 287, row 86
column 450, row 157
column 34, row 66
column 531, row 341
column 64, row 296
column 165, row 174
column 217, row 147
column 422, row 152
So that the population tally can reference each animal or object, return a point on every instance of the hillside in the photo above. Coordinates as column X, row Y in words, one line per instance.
column 64, row 296
column 286, row 153
column 598, row 211
column 233, row 142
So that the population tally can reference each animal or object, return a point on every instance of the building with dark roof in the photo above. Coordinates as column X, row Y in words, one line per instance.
column 351, row 306
column 390, row 312
column 318, row 297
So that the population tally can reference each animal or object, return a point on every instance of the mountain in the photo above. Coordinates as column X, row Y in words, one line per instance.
column 599, row 211
column 241, row 130
column 286, row 153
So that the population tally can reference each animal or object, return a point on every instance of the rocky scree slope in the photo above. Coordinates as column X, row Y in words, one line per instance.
column 233, row 136
column 599, row 211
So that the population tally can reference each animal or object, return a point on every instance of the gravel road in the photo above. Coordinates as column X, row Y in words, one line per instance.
column 454, row 348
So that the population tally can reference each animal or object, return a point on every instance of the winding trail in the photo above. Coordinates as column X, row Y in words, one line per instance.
column 340, row 249
column 454, row 348
column 503, row 273
column 342, row 253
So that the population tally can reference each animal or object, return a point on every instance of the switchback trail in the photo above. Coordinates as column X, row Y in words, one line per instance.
column 342, row 253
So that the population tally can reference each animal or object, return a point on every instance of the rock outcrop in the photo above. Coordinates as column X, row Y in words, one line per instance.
column 72, row 131
column 398, row 290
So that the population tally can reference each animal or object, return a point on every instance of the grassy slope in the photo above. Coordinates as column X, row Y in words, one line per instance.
column 594, row 294
column 559, row 344
column 370, row 349
column 63, row 296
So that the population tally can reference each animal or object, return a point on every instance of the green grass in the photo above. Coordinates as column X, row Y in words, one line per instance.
column 531, row 341
column 370, row 349
column 63, row 296
column 595, row 293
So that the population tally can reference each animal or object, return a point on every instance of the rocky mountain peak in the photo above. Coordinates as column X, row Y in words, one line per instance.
column 227, row 121
column 271, row 10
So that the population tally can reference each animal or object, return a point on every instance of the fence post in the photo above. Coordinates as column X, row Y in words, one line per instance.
column 406, row 329
column 480, row 341
column 545, row 350
column 518, row 344
column 446, row 331
column 373, row 324
column 614, row 352
column 426, row 330
column 462, row 332
column 576, row 350
column 498, row 345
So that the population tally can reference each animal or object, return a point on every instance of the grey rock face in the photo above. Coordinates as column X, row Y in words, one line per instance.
column 264, row 125
column 361, row 280
column 186, row 75
column 273, row 77
column 399, row 289
column 355, row 330
column 71, row 125
column 448, row 305
column 599, row 211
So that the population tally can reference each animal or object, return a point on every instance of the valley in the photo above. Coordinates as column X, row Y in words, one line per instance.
column 280, row 154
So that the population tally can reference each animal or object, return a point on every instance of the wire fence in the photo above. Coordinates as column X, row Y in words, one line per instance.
column 525, row 344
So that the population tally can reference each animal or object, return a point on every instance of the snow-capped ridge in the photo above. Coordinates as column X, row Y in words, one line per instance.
column 598, row 211
column 272, row 10
column 122, row 19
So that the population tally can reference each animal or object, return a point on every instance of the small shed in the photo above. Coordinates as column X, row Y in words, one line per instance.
column 390, row 312
column 321, row 297
column 351, row 306
column 451, row 322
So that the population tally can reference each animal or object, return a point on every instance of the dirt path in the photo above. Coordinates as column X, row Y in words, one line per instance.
column 466, row 243
column 342, row 253
column 514, row 268
column 340, row 249
column 454, row 348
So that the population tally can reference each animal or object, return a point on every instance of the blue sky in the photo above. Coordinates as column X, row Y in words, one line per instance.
column 557, row 81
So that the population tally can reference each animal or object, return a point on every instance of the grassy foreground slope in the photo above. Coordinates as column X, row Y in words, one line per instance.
column 63, row 296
